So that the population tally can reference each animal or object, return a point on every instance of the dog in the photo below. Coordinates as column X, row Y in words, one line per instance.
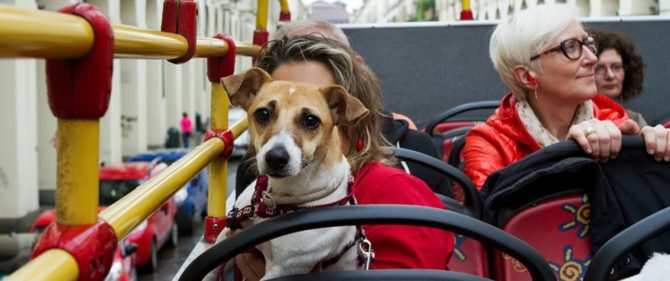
column 293, row 129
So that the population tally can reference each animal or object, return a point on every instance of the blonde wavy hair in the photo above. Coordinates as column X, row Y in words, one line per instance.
column 355, row 77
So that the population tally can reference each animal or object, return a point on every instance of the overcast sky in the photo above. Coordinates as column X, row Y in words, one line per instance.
column 351, row 4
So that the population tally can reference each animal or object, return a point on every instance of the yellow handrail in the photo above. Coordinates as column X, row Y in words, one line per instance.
column 54, row 264
column 132, row 209
column 50, row 35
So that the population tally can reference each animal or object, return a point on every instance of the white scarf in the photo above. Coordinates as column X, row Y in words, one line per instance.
column 535, row 128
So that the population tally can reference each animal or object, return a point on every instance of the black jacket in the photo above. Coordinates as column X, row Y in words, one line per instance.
column 622, row 191
column 397, row 132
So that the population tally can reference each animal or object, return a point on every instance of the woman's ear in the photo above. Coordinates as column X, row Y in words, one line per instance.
column 525, row 76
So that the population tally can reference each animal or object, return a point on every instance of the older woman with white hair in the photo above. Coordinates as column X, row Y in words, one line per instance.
column 547, row 60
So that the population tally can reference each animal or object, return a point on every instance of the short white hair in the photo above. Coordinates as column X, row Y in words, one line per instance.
column 311, row 27
column 525, row 34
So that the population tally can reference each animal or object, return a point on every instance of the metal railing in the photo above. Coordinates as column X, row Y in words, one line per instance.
column 58, row 36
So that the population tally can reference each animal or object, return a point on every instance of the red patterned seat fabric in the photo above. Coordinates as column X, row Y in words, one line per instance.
column 469, row 257
column 558, row 229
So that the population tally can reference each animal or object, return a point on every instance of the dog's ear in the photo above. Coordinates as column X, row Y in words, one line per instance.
column 242, row 88
column 344, row 108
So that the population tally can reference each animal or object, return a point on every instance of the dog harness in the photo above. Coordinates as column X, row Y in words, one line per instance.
column 263, row 206
column 259, row 207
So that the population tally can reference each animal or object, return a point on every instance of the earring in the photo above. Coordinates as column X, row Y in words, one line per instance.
column 533, row 82
column 359, row 144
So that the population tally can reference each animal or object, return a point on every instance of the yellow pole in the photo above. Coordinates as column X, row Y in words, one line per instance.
column 216, row 199
column 77, row 171
column 40, row 34
column 465, row 5
column 262, row 15
column 283, row 5
column 54, row 264
column 466, row 13
column 129, row 211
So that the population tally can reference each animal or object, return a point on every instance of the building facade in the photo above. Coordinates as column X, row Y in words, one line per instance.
column 379, row 11
column 148, row 96
column 335, row 13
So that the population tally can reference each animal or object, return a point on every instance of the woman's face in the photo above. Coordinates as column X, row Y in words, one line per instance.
column 568, row 81
column 610, row 73
column 311, row 72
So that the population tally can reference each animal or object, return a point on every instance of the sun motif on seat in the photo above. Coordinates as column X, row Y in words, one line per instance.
column 458, row 252
column 571, row 269
column 581, row 217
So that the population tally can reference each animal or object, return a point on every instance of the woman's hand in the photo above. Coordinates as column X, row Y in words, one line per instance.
column 251, row 265
column 657, row 142
column 601, row 139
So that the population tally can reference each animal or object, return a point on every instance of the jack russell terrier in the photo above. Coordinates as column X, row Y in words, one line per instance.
column 293, row 129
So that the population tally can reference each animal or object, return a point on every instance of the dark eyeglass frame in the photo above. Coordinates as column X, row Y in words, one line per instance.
column 588, row 41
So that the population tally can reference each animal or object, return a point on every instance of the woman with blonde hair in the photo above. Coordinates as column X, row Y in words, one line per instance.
column 321, row 61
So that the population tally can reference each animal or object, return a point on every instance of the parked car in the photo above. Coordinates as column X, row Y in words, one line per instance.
column 160, row 228
column 192, row 198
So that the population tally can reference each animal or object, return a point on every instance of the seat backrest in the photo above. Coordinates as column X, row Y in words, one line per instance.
column 558, row 228
column 448, row 126
column 453, row 119
column 452, row 141
column 368, row 214
column 470, row 256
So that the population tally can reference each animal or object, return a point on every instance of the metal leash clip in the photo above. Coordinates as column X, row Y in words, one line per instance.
column 366, row 252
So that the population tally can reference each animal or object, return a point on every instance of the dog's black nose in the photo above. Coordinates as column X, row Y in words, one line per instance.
column 277, row 158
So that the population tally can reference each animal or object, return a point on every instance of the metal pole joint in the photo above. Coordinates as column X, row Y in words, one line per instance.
column 180, row 17
column 92, row 246
column 80, row 88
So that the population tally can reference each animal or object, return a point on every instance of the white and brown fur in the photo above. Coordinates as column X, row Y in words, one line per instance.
column 299, row 160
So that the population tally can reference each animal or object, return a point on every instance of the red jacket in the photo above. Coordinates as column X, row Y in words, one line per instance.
column 503, row 140
column 400, row 246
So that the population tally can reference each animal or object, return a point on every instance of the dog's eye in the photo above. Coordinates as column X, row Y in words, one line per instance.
column 262, row 115
column 311, row 121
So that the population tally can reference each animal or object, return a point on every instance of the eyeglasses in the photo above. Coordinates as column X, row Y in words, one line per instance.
column 571, row 48
column 615, row 67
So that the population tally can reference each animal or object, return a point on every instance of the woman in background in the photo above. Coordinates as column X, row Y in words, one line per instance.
column 620, row 70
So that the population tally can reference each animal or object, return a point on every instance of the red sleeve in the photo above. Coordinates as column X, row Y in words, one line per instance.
column 606, row 109
column 481, row 157
column 398, row 246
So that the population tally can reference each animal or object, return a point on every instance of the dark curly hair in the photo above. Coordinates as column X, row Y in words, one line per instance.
column 634, row 71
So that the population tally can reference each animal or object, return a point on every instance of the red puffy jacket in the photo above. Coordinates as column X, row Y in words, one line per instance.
column 503, row 140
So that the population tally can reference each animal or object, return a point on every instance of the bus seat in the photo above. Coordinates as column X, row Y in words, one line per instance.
column 470, row 256
column 443, row 127
column 558, row 228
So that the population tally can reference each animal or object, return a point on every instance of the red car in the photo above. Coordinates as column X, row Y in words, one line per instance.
column 151, row 234
column 160, row 227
